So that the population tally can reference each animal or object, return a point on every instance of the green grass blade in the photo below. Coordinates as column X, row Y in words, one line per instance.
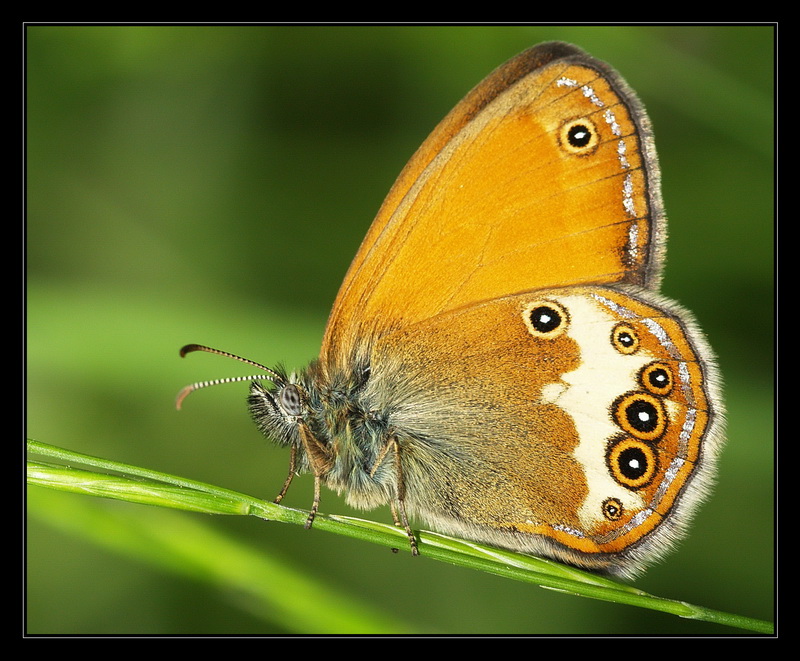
column 257, row 580
column 138, row 485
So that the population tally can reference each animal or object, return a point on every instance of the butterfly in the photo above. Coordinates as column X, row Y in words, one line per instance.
column 499, row 363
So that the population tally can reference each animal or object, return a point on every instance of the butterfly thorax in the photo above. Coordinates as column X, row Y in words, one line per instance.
column 334, row 427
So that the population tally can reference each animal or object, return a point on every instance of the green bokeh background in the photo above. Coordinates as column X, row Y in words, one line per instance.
column 212, row 184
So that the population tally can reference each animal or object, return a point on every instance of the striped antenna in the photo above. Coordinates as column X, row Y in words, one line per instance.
column 189, row 348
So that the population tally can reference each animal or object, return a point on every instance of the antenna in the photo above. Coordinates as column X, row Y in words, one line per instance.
column 189, row 348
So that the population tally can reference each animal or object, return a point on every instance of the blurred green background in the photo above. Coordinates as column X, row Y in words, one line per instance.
column 212, row 184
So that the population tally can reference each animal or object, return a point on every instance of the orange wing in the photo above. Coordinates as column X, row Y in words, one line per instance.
column 540, row 177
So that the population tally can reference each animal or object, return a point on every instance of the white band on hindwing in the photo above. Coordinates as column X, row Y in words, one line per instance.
column 590, row 391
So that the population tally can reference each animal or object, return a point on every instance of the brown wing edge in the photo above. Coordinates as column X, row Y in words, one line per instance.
column 650, row 276
column 541, row 55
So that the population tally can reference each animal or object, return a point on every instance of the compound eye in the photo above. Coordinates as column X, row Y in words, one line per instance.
column 291, row 400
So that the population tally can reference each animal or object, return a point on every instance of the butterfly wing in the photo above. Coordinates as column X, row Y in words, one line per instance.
column 578, row 423
column 545, row 175
column 501, row 335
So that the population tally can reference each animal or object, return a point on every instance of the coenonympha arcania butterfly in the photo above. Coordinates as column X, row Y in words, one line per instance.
column 498, row 362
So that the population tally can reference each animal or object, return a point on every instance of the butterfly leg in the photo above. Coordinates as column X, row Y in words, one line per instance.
column 320, row 459
column 315, row 504
column 289, row 477
column 398, row 507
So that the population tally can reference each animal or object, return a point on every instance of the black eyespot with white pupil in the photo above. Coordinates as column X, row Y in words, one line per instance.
column 656, row 378
column 625, row 339
column 612, row 509
column 641, row 415
column 579, row 136
column 546, row 319
column 632, row 463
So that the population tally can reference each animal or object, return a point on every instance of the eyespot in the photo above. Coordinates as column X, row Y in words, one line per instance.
column 579, row 136
column 632, row 463
column 612, row 509
column 640, row 415
column 290, row 399
column 545, row 319
column 625, row 339
column 656, row 378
